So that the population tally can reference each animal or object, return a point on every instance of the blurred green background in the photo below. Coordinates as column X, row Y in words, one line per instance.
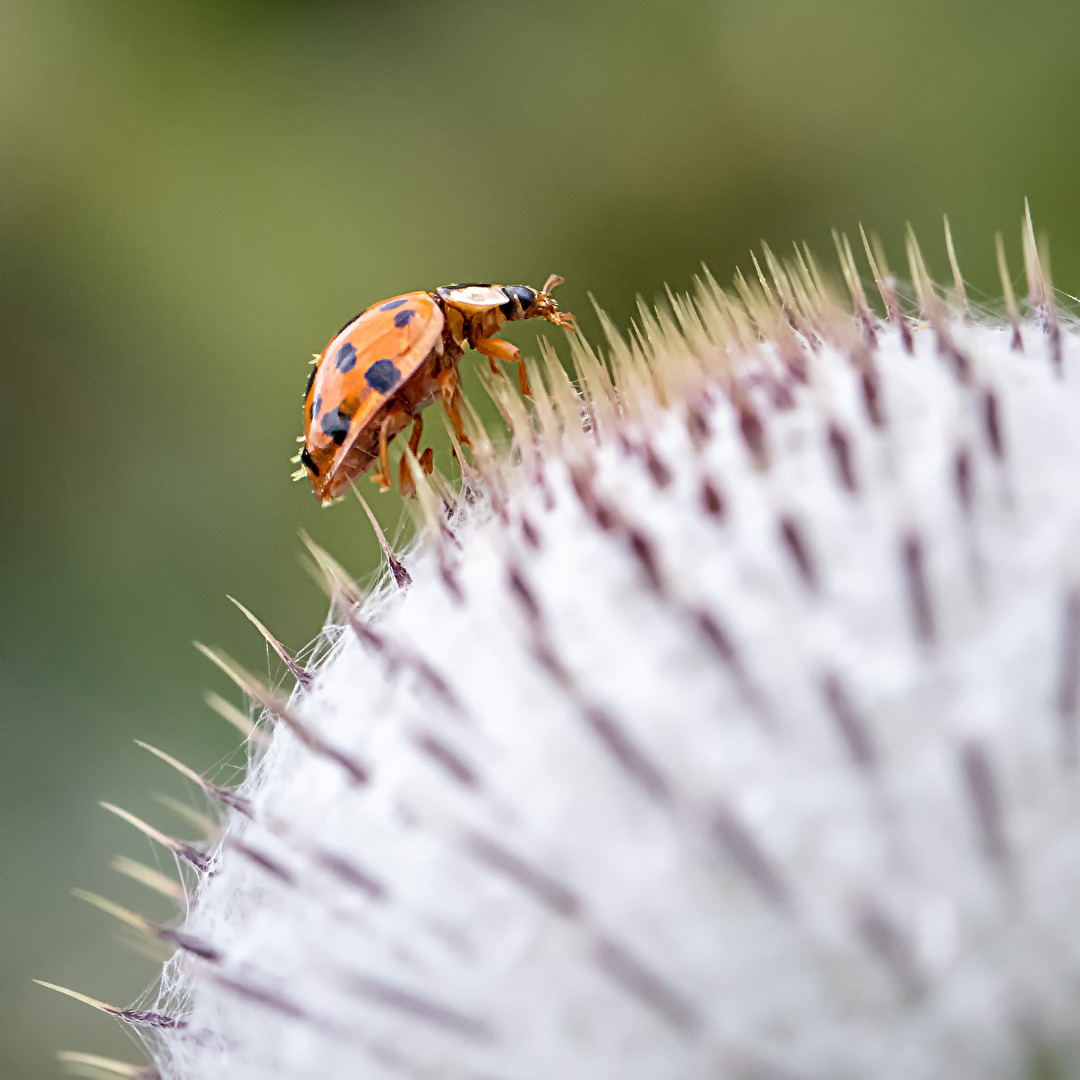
column 196, row 195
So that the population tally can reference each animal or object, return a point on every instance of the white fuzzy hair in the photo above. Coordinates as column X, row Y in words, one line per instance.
column 730, row 730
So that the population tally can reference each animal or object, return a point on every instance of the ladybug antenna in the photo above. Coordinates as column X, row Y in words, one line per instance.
column 559, row 318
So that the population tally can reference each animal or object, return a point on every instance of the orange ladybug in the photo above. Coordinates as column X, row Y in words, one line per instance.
column 387, row 365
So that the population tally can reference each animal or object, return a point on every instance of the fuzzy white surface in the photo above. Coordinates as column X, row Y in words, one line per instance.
column 893, row 945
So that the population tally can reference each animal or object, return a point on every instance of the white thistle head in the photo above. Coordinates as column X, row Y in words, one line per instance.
column 730, row 729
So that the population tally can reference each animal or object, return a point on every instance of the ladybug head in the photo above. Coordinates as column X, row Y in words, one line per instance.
column 526, row 303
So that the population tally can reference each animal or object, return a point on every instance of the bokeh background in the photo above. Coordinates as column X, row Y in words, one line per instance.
column 196, row 194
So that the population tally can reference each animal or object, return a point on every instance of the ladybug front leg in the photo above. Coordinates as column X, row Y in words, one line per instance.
column 496, row 349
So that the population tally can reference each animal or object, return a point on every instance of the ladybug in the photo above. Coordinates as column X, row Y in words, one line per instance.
column 389, row 363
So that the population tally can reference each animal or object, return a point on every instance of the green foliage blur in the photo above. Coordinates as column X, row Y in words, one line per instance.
column 196, row 194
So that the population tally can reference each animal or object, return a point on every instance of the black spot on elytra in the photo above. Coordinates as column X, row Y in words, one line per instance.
column 403, row 318
column 335, row 424
column 392, row 304
column 309, row 461
column 346, row 358
column 382, row 376
column 316, row 406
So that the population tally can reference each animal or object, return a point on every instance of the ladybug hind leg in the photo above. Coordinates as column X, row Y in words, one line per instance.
column 496, row 349
column 426, row 459
column 396, row 418
column 450, row 392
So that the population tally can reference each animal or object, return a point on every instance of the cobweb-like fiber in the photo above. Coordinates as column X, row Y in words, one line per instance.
column 730, row 731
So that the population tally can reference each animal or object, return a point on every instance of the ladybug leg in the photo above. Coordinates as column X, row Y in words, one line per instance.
column 393, row 417
column 496, row 349
column 405, row 480
column 450, row 391
column 382, row 477
column 417, row 431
